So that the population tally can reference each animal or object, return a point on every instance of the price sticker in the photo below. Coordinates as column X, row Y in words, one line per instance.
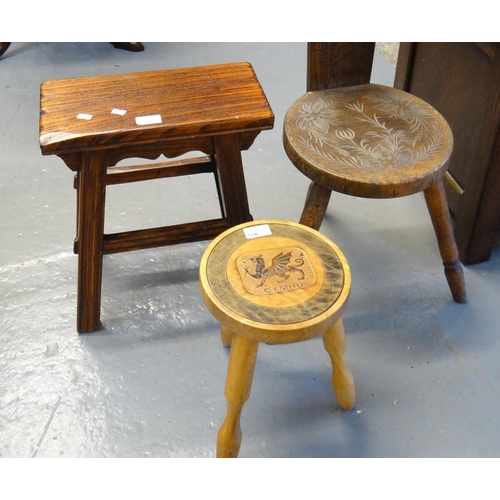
column 257, row 231
column 84, row 116
column 148, row 120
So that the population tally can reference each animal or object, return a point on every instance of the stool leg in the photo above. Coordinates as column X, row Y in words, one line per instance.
column 437, row 204
column 232, row 179
column 226, row 336
column 342, row 380
column 91, row 193
column 315, row 206
column 237, row 391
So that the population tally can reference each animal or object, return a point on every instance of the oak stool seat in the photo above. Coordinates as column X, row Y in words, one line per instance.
column 374, row 141
column 92, row 123
column 276, row 282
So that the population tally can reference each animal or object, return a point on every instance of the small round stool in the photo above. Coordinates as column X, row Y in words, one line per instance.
column 275, row 282
column 374, row 141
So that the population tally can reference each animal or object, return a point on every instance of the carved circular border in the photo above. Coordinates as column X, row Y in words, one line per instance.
column 325, row 297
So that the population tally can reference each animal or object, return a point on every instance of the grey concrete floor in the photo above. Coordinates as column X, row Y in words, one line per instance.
column 150, row 384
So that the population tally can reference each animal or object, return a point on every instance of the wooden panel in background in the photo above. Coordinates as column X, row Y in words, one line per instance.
column 462, row 81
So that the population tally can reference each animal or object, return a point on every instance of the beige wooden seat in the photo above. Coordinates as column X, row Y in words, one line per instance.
column 276, row 282
column 92, row 123
column 376, row 142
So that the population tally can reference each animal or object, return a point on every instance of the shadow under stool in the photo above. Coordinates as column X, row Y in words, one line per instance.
column 276, row 282
column 374, row 141
column 92, row 123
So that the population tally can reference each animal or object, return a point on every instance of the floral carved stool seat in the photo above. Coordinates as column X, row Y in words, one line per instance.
column 374, row 141
column 276, row 282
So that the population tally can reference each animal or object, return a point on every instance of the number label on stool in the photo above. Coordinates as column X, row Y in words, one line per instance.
column 257, row 231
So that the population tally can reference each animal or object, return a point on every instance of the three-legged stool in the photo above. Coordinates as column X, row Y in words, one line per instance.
column 275, row 282
column 375, row 142
column 92, row 123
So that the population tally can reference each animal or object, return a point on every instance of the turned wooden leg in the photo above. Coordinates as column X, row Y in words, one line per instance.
column 226, row 336
column 237, row 391
column 315, row 206
column 437, row 204
column 342, row 380
column 91, row 193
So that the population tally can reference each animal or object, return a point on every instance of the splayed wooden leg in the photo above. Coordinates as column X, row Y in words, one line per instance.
column 342, row 380
column 315, row 206
column 226, row 336
column 237, row 391
column 435, row 198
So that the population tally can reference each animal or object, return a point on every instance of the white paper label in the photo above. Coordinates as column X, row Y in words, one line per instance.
column 147, row 120
column 84, row 116
column 257, row 231
column 118, row 111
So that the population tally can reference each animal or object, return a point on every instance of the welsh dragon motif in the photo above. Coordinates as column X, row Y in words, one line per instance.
column 279, row 267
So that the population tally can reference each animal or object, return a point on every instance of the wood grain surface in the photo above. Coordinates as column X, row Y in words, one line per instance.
column 376, row 142
column 370, row 140
column 190, row 101
column 271, row 303
column 92, row 123
column 275, row 282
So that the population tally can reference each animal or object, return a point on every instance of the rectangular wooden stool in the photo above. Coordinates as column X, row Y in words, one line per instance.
column 92, row 123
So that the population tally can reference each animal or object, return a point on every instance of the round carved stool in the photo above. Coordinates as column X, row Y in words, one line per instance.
column 375, row 142
column 275, row 282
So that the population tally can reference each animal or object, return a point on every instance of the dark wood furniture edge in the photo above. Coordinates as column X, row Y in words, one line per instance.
column 480, row 198
column 477, row 207
column 156, row 146
column 338, row 64
column 3, row 47
column 129, row 46
column 404, row 65
column 488, row 48
column 402, row 81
